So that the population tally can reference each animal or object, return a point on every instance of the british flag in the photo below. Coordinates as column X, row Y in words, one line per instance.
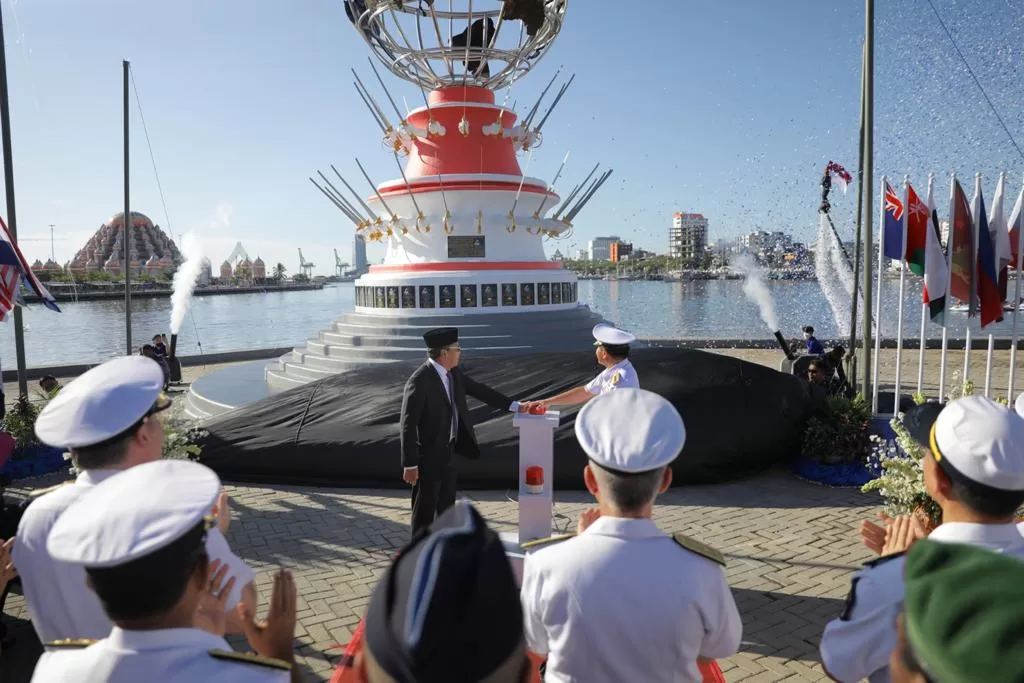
column 13, row 270
column 893, row 226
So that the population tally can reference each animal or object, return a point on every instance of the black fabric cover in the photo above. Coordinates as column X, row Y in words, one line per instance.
column 741, row 418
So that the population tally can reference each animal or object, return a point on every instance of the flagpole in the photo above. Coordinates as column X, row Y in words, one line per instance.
column 127, row 220
column 12, row 220
column 974, row 281
column 868, row 156
column 949, row 285
column 924, row 306
column 903, row 280
column 857, row 239
column 1016, row 305
column 878, row 295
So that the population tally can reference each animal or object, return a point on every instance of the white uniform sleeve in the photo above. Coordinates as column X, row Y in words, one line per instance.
column 594, row 385
column 723, row 628
column 533, row 615
column 218, row 549
column 858, row 643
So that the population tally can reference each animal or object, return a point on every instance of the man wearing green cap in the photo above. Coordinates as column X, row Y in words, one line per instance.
column 961, row 619
column 974, row 469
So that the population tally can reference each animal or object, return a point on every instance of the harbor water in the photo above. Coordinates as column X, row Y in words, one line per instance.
column 92, row 331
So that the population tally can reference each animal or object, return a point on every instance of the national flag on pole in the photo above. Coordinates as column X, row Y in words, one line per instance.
column 893, row 224
column 961, row 261
column 13, row 270
column 918, row 217
column 841, row 175
column 1016, row 222
column 1000, row 235
column 989, row 301
column 935, row 272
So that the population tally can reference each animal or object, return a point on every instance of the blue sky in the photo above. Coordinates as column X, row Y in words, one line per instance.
column 730, row 108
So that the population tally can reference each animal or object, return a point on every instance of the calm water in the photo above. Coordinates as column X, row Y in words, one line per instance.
column 91, row 331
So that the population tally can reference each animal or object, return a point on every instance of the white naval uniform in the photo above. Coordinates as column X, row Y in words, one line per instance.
column 619, row 376
column 857, row 645
column 178, row 655
column 624, row 602
column 59, row 602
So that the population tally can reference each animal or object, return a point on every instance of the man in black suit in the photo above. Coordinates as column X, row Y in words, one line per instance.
column 432, row 431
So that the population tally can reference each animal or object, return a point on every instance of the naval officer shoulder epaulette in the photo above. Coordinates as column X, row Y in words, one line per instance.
column 540, row 542
column 702, row 549
column 883, row 559
column 249, row 658
column 71, row 642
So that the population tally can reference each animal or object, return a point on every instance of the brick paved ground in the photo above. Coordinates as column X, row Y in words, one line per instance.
column 791, row 546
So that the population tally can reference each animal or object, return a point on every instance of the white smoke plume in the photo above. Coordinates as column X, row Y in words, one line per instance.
column 185, row 279
column 756, row 289
column 829, row 279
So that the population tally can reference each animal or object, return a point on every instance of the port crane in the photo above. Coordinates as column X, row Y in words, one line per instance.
column 306, row 266
column 340, row 267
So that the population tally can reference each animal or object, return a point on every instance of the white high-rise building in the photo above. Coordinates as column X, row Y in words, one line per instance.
column 688, row 236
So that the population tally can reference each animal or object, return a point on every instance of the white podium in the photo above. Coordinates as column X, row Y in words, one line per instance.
column 536, row 502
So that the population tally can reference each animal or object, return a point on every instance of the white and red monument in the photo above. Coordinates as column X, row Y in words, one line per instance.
column 462, row 227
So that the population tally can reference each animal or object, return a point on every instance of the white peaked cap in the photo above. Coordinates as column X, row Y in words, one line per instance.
column 982, row 440
column 103, row 403
column 630, row 430
column 609, row 334
column 134, row 513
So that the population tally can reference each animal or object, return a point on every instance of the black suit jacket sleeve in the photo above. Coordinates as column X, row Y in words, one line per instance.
column 482, row 392
column 413, row 402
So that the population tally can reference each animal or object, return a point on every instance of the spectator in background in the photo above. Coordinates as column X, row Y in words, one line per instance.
column 149, row 351
column 50, row 385
column 160, row 345
column 814, row 346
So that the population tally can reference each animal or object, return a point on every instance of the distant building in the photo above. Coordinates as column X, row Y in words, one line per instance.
column 600, row 248
column 206, row 272
column 259, row 269
column 225, row 271
column 583, row 255
column 620, row 251
column 688, row 236
column 152, row 251
column 360, row 265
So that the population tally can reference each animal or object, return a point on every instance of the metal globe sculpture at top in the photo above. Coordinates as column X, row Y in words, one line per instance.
column 486, row 43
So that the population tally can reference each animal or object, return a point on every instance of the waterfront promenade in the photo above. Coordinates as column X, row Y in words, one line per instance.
column 791, row 547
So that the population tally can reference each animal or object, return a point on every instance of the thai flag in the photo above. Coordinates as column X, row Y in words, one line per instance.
column 13, row 270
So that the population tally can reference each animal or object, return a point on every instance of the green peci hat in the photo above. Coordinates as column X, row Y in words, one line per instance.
column 962, row 613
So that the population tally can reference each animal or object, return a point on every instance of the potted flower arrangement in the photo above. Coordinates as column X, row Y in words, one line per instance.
column 30, row 458
column 181, row 434
column 836, row 443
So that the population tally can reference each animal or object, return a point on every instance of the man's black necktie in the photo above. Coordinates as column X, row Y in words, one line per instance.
column 455, row 411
